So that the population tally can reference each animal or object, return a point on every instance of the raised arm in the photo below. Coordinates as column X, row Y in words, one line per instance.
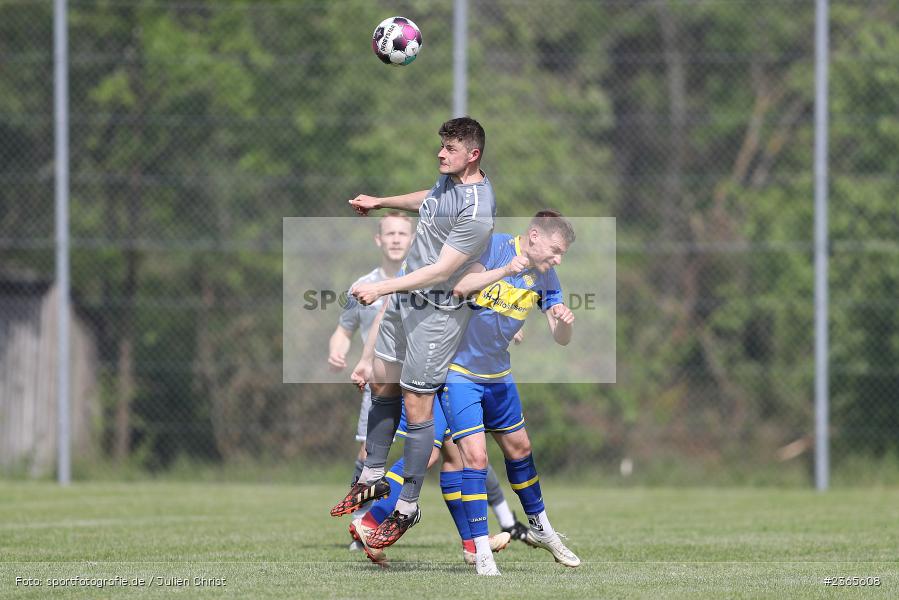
column 560, row 319
column 410, row 202
column 477, row 277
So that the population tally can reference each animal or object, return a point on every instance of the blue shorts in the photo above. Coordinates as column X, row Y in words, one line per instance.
column 439, row 424
column 471, row 407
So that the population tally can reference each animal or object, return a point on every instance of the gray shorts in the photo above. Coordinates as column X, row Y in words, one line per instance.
column 422, row 337
column 362, row 426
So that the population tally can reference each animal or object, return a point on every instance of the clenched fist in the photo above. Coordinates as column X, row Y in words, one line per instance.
column 517, row 265
column 366, row 293
column 562, row 313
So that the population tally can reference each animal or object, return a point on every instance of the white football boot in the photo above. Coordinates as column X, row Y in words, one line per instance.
column 554, row 545
column 485, row 565
column 497, row 542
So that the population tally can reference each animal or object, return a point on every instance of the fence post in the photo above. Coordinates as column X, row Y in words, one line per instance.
column 460, row 58
column 61, row 108
column 822, row 436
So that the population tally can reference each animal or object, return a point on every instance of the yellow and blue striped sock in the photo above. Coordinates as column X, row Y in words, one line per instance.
column 451, row 486
column 525, row 482
column 474, row 499
column 383, row 507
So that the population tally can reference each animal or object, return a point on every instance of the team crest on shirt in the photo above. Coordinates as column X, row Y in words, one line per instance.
column 529, row 280
column 428, row 211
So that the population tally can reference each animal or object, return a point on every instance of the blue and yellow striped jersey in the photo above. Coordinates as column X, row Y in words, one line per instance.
column 501, row 310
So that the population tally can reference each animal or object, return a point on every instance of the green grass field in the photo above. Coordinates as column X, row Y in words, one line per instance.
column 277, row 541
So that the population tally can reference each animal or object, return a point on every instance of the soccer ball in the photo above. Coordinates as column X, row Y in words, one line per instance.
column 396, row 41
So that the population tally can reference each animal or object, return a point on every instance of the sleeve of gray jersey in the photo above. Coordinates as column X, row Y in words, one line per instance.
column 350, row 319
column 469, row 236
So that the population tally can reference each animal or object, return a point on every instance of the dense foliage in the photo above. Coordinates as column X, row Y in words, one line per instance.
column 197, row 126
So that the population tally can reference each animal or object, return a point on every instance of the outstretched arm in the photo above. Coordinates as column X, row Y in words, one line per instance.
column 447, row 263
column 478, row 277
column 410, row 202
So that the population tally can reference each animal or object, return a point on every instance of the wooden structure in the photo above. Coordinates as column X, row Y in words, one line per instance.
column 28, row 402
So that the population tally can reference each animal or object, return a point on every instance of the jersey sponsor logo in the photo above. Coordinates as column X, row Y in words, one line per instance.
column 508, row 300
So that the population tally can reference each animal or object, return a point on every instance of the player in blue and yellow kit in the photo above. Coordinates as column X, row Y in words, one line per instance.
column 512, row 276
column 450, row 485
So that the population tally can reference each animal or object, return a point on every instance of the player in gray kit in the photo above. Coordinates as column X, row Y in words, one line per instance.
column 423, row 323
column 393, row 240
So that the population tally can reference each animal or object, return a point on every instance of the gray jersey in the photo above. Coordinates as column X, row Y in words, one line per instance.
column 460, row 215
column 357, row 316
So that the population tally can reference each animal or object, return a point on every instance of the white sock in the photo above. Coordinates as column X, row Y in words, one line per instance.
column 482, row 545
column 369, row 475
column 540, row 525
column 406, row 508
column 359, row 513
column 504, row 515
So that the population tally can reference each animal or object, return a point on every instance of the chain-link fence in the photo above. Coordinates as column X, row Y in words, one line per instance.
column 197, row 126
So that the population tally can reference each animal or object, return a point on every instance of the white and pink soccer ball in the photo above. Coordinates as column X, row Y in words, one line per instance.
column 396, row 41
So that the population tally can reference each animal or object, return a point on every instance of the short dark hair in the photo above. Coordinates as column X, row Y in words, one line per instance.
column 551, row 221
column 466, row 130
